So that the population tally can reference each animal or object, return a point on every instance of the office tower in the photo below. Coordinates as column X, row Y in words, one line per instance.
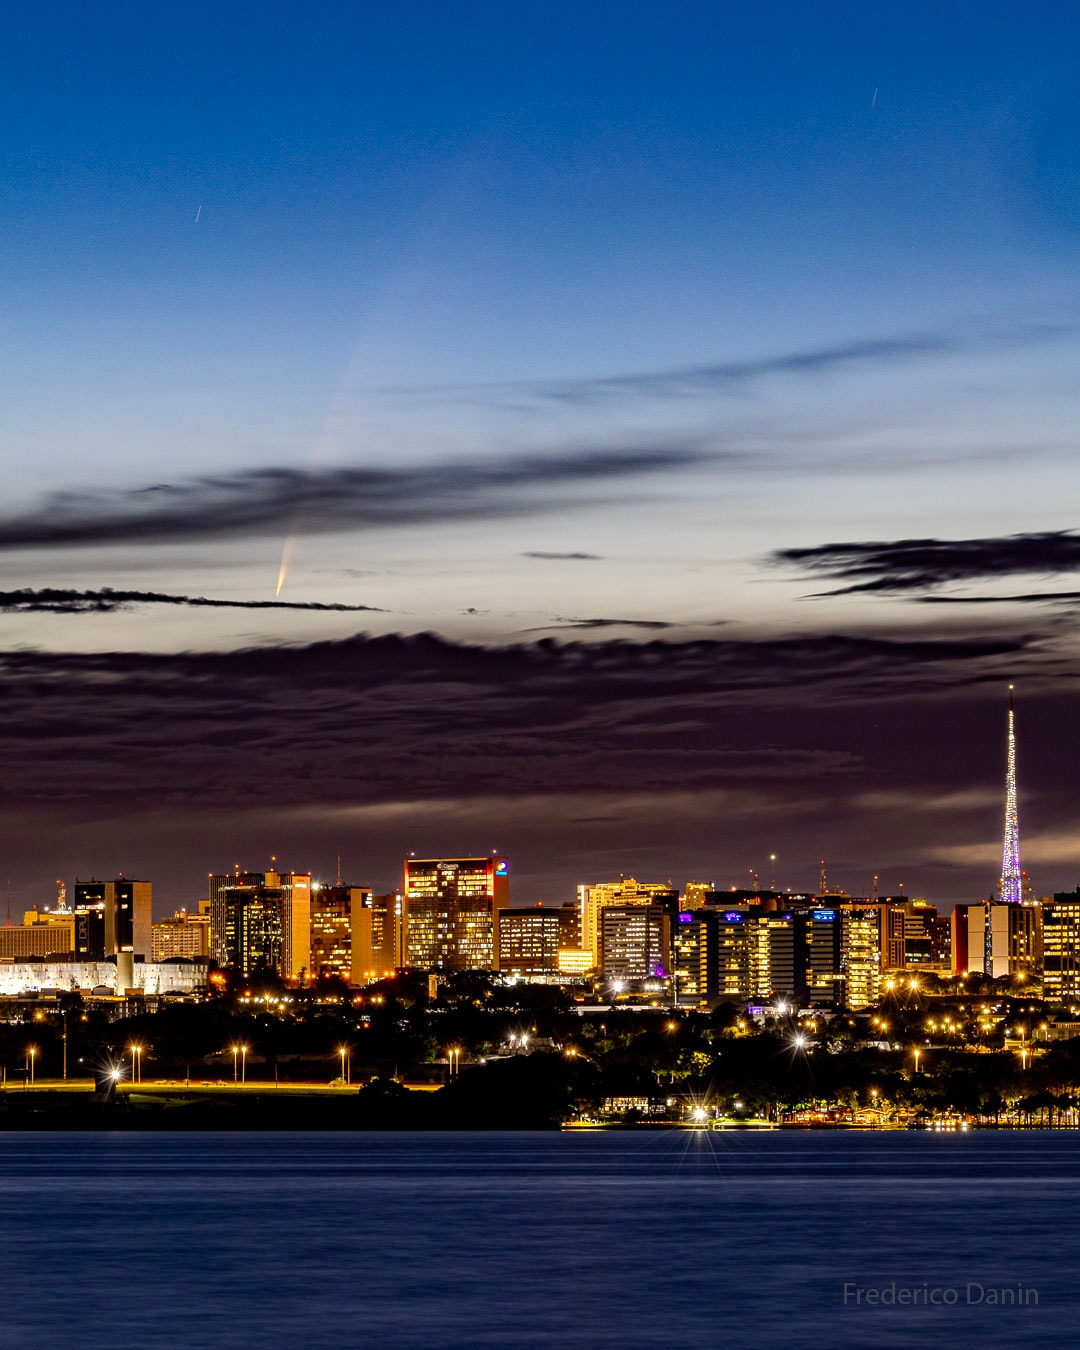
column 530, row 940
column 860, row 955
column 1011, row 886
column 378, row 936
column 1061, row 947
column 262, row 921
column 626, row 891
column 635, row 943
column 113, row 917
column 450, row 911
column 332, row 926
column 181, row 934
column 824, row 977
column 961, row 958
column 1004, row 938
column 784, row 973
column 694, row 957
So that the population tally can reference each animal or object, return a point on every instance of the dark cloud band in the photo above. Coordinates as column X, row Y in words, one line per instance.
column 278, row 500
column 923, row 564
column 50, row 600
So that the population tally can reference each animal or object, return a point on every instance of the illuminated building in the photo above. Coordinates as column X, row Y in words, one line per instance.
column 696, row 893
column 1061, row 947
column 860, row 956
column 958, row 924
column 530, row 940
column 182, row 934
column 179, row 977
column 332, row 927
column 695, row 943
column 1003, row 938
column 927, row 943
column 262, row 920
column 824, row 977
column 378, row 937
column 37, row 939
column 635, row 942
column 784, row 971
column 451, row 906
column 575, row 962
column 625, row 891
column 125, row 907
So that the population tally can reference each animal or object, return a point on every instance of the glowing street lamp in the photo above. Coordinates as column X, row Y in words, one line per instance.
column 343, row 1051
column 243, row 1063
column 454, row 1055
column 917, row 1053
column 235, row 1066
column 31, row 1052
column 136, row 1062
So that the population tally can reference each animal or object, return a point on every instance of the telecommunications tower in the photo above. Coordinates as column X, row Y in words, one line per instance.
column 1010, row 888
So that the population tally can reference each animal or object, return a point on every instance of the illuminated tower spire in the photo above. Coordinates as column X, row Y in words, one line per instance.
column 1011, row 886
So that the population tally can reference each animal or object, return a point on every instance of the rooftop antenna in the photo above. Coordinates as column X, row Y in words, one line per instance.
column 875, row 888
column 339, row 867
column 822, row 887
column 772, row 871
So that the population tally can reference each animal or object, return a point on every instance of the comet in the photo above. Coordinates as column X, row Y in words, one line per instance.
column 286, row 553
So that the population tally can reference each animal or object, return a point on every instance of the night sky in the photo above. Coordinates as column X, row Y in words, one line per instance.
column 636, row 438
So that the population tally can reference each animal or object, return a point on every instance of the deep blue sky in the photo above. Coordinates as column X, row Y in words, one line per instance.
column 416, row 297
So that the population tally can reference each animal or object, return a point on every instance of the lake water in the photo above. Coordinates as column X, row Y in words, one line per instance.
column 679, row 1239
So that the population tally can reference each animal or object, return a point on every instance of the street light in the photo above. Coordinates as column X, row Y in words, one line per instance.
column 136, row 1062
column 454, row 1055
column 31, row 1051
column 917, row 1054
column 243, row 1063
column 235, row 1069
column 343, row 1051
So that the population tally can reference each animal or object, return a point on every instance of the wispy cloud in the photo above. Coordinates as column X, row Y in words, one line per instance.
column 924, row 564
column 655, row 625
column 52, row 600
column 314, row 501
column 564, row 557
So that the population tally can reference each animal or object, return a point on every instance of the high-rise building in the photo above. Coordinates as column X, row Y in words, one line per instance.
column 824, row 973
column 262, row 920
column 695, row 894
column 117, row 917
column 626, row 891
column 182, row 934
column 1004, row 938
column 635, row 943
column 1061, row 947
column 450, row 911
column 530, row 939
column 860, row 955
column 332, row 927
column 378, row 937
column 1011, row 886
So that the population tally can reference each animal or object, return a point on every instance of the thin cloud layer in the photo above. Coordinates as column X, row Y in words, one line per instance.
column 924, row 564
column 55, row 600
column 320, row 501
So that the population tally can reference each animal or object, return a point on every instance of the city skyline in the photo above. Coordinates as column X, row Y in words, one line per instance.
column 621, row 442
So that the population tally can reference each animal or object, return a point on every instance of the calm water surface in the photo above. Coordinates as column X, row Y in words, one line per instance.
column 599, row 1240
